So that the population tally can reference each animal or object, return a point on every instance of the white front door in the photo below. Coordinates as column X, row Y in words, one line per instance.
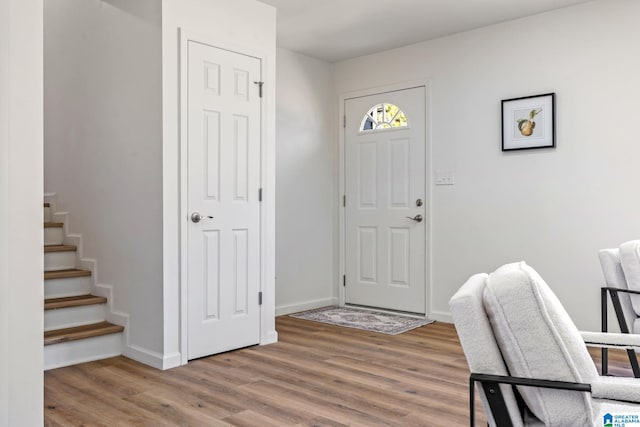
column 385, row 187
column 223, row 146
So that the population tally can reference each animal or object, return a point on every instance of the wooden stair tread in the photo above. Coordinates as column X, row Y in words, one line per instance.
column 65, row 274
column 53, row 224
column 60, row 248
column 75, row 301
column 80, row 332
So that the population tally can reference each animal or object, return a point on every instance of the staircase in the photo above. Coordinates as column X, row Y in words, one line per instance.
column 75, row 325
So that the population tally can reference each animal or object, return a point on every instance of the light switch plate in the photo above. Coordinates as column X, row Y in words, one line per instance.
column 445, row 177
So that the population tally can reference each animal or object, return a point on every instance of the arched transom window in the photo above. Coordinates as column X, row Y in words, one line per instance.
column 383, row 116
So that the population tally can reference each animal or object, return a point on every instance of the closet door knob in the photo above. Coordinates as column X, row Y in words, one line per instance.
column 417, row 218
column 196, row 217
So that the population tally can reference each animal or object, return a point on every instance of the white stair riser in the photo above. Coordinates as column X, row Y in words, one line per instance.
column 72, row 286
column 80, row 351
column 53, row 236
column 59, row 260
column 74, row 316
column 77, row 351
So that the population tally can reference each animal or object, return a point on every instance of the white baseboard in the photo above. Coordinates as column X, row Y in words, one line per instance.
column 303, row 306
column 171, row 361
column 270, row 338
column 152, row 358
column 441, row 316
column 143, row 355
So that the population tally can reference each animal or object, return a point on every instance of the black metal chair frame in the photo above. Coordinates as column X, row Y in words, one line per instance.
column 615, row 300
column 491, row 383
column 495, row 399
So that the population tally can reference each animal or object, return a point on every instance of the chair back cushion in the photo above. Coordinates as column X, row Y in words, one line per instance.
column 614, row 277
column 478, row 342
column 630, row 260
column 538, row 340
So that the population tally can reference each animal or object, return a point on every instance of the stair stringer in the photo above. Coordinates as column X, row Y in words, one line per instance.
column 113, row 315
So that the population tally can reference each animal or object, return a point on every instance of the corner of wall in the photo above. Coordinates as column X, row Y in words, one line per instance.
column 441, row 316
column 21, row 213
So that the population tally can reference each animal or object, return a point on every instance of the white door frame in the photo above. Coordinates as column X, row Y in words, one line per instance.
column 266, row 314
column 342, row 182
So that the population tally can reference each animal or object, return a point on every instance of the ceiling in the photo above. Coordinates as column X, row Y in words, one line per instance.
column 334, row 30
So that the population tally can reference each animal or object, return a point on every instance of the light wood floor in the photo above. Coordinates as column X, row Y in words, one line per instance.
column 317, row 375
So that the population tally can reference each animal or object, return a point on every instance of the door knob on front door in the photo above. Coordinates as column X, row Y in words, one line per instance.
column 196, row 217
column 417, row 218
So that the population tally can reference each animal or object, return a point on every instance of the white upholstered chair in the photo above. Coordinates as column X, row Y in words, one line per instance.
column 529, row 360
column 621, row 269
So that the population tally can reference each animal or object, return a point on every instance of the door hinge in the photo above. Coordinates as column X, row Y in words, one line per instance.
column 260, row 195
column 344, row 280
column 344, row 121
column 260, row 84
column 344, row 201
column 260, row 298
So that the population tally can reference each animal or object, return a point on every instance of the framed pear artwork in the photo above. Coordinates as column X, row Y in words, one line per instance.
column 528, row 122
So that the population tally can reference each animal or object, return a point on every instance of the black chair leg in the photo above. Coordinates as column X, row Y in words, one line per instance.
column 472, row 402
column 615, row 300
column 633, row 359
column 604, row 323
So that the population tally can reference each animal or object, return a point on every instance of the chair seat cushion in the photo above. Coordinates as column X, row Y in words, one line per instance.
column 630, row 260
column 538, row 340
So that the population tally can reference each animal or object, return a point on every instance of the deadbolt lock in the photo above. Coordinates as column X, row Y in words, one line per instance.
column 419, row 202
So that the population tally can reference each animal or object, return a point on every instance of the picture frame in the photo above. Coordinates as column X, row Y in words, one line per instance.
column 529, row 122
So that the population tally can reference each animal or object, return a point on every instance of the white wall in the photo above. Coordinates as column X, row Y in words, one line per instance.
column 306, row 179
column 553, row 208
column 21, row 260
column 243, row 25
column 103, row 147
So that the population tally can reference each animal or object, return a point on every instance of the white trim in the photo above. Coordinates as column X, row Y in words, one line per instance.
column 429, row 199
column 151, row 358
column 306, row 305
column 428, row 167
column 441, row 316
column 182, row 188
column 268, row 334
column 143, row 355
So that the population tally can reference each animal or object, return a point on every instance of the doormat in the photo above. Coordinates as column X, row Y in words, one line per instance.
column 374, row 321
